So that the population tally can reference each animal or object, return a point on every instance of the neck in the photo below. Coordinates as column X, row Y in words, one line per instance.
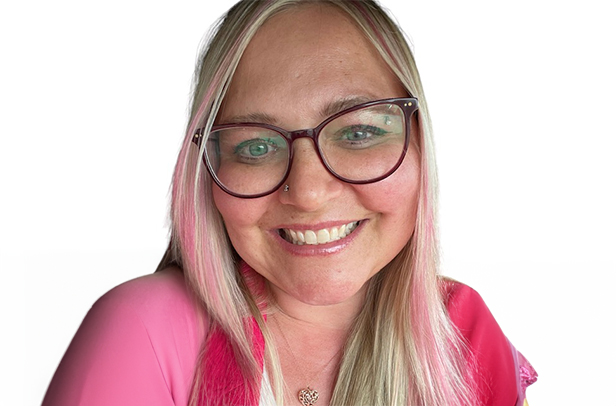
column 309, row 356
column 310, row 340
column 327, row 317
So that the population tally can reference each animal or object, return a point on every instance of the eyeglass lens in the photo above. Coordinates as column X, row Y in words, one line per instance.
column 358, row 146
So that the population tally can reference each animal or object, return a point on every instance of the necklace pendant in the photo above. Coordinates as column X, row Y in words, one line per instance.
column 308, row 397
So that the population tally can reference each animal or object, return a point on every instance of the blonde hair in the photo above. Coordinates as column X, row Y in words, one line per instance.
column 403, row 349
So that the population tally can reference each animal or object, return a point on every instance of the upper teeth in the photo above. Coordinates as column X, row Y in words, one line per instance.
column 323, row 236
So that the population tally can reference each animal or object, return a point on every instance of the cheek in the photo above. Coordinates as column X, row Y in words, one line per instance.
column 398, row 194
column 239, row 215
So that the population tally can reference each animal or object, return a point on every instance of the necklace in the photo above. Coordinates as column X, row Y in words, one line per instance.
column 306, row 396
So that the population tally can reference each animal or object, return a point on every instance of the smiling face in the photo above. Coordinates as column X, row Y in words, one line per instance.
column 301, row 66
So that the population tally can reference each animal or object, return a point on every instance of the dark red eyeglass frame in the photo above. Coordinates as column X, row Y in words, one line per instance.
column 407, row 104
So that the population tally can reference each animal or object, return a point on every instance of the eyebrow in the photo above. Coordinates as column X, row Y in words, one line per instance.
column 335, row 107
column 327, row 111
column 252, row 118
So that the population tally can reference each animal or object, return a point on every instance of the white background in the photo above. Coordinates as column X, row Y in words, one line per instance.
column 93, row 105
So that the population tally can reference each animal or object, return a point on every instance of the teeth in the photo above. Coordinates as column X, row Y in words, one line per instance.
column 311, row 237
column 322, row 236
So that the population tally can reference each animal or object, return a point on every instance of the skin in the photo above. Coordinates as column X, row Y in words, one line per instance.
column 299, row 63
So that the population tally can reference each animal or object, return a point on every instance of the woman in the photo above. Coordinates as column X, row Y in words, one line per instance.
column 302, row 266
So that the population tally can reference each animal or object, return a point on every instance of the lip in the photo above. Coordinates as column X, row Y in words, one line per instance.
column 330, row 248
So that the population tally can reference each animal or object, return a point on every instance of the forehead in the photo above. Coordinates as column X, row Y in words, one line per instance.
column 308, row 55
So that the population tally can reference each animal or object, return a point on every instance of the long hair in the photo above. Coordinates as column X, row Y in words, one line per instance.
column 403, row 349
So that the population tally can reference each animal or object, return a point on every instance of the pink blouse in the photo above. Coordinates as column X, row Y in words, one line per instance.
column 138, row 345
column 140, row 342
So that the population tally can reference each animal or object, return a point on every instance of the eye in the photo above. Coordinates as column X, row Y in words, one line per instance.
column 359, row 135
column 256, row 149
column 361, row 132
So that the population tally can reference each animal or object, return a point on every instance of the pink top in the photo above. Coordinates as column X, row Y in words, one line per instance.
column 140, row 342
column 138, row 345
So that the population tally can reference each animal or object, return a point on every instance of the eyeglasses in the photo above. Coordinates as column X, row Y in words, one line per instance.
column 363, row 144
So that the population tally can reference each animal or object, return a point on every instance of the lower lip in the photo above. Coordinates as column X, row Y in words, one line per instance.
column 330, row 248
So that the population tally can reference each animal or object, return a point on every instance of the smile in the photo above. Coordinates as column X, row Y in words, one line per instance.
column 317, row 237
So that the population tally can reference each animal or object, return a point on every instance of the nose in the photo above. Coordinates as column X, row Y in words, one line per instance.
column 311, row 185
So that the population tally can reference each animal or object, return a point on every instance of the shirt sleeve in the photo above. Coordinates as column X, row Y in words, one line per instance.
column 502, row 373
column 136, row 346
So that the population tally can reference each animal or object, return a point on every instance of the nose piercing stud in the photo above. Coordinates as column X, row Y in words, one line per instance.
column 286, row 188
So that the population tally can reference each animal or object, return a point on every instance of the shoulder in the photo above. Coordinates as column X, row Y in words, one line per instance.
column 492, row 353
column 139, row 342
column 151, row 295
column 159, row 304
column 465, row 306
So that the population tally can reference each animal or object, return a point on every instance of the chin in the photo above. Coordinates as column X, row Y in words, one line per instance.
column 327, row 294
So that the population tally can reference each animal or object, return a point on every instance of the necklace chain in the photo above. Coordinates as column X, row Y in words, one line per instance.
column 306, row 396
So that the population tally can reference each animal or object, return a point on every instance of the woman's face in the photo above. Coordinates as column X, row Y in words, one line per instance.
column 299, row 65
